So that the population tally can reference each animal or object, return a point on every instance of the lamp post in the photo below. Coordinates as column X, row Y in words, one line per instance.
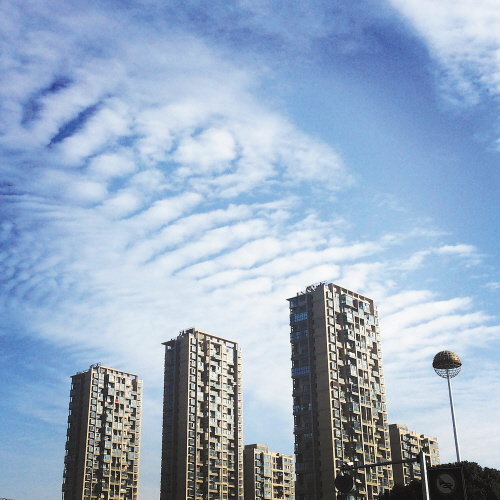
column 447, row 365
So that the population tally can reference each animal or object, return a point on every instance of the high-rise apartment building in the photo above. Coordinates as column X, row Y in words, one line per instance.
column 202, row 442
column 406, row 444
column 103, row 436
column 268, row 475
column 339, row 402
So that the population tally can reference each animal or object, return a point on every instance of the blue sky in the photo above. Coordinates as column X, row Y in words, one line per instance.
column 177, row 164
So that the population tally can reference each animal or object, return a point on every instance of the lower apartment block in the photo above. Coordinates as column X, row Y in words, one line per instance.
column 406, row 445
column 268, row 475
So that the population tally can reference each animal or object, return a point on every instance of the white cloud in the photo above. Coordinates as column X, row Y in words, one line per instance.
column 463, row 36
column 87, row 191
column 161, row 212
column 122, row 204
column 109, row 165
column 401, row 300
column 414, row 261
column 100, row 130
column 464, row 250
column 213, row 150
column 423, row 311
column 493, row 285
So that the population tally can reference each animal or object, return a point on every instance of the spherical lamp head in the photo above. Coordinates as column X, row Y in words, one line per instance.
column 447, row 364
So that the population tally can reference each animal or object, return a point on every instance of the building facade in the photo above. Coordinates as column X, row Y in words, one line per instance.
column 202, row 441
column 339, row 402
column 268, row 475
column 103, row 436
column 405, row 445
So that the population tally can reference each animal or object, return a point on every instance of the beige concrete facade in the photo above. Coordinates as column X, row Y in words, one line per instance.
column 340, row 412
column 268, row 475
column 405, row 445
column 202, row 441
column 103, row 436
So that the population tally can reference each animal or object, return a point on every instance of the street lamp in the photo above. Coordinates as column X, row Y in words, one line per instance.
column 447, row 365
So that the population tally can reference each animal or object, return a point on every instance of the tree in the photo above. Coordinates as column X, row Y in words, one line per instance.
column 412, row 491
column 480, row 483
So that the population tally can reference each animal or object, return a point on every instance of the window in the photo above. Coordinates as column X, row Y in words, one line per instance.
column 300, row 370
column 294, row 318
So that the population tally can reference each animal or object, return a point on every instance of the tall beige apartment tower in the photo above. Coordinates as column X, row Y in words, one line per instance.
column 406, row 444
column 103, row 436
column 268, row 475
column 202, row 442
column 339, row 402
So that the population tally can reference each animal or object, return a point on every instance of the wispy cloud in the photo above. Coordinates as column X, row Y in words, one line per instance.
column 463, row 37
